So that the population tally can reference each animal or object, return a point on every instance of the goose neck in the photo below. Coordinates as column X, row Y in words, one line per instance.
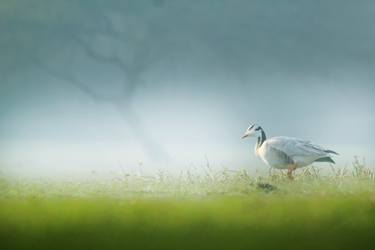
column 261, row 138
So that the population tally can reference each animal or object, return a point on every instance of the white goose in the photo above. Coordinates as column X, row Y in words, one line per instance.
column 285, row 152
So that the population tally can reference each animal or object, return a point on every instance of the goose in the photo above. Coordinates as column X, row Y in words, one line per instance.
column 289, row 153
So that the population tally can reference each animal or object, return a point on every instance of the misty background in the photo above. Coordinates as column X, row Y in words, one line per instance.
column 143, row 86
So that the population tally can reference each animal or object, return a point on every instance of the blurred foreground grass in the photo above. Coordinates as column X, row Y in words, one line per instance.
column 226, row 210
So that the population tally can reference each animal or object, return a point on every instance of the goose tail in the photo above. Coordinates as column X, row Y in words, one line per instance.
column 325, row 159
column 331, row 152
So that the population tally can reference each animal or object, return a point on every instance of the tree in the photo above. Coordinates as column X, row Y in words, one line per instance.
column 123, row 35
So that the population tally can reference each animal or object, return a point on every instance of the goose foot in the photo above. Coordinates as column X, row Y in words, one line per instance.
column 291, row 168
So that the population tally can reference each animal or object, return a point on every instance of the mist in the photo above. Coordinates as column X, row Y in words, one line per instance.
column 143, row 86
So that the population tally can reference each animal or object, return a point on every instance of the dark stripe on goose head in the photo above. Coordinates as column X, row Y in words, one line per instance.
column 262, row 138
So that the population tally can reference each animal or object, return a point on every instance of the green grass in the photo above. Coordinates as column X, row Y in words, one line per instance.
column 226, row 210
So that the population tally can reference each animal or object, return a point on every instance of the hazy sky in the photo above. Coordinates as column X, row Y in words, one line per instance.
column 193, row 76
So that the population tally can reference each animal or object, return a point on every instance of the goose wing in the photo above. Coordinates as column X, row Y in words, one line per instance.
column 298, row 150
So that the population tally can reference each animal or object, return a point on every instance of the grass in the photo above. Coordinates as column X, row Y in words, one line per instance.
column 225, row 210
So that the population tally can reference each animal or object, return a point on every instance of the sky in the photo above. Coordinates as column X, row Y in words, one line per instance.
column 171, row 85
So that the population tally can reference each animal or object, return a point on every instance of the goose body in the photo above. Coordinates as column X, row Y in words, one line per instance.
column 287, row 152
column 281, row 151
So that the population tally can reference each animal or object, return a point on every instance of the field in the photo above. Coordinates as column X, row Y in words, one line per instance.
column 223, row 210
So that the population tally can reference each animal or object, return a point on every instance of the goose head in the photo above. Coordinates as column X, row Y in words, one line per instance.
column 253, row 130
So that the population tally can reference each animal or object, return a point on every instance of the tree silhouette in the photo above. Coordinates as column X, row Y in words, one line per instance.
column 122, row 35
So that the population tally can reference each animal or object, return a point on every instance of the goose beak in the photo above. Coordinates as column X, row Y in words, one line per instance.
column 244, row 136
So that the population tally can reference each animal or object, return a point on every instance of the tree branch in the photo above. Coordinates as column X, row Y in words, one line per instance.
column 73, row 81
column 111, row 59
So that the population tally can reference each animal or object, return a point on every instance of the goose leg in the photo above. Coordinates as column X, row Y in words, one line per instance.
column 291, row 168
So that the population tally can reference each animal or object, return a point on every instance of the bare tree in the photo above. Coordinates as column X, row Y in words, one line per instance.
column 120, row 30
